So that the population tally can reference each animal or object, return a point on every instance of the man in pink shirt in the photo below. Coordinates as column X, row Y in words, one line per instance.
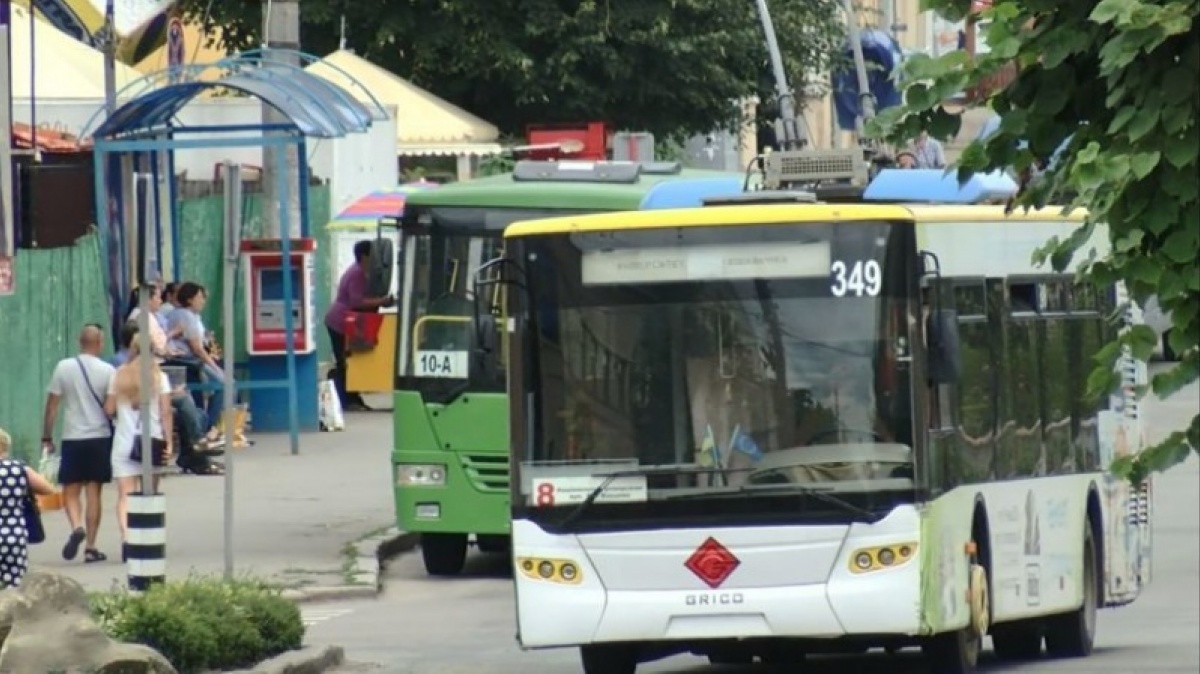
column 351, row 297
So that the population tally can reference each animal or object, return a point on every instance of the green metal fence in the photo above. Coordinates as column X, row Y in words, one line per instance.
column 61, row 289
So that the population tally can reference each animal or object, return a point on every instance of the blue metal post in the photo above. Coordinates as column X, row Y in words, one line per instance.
column 173, row 199
column 285, row 232
column 302, row 185
column 155, row 171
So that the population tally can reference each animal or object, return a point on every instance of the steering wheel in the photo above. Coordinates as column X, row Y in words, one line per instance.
column 837, row 431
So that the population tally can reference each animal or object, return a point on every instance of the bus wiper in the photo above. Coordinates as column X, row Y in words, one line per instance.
column 819, row 494
column 609, row 478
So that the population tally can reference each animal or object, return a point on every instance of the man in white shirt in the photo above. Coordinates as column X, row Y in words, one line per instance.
column 78, row 387
column 928, row 152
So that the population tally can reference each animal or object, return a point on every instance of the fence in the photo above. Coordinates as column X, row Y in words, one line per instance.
column 58, row 291
column 61, row 289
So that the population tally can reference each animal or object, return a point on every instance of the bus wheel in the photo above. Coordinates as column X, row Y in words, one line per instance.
column 1073, row 634
column 608, row 659
column 1020, row 640
column 957, row 652
column 444, row 554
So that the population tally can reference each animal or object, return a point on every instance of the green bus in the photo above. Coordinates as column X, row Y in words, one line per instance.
column 450, row 450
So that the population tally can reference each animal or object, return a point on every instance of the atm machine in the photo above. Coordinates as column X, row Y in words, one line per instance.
column 266, row 323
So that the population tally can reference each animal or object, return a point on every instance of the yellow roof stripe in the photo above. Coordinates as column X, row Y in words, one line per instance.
column 709, row 216
column 953, row 213
column 782, row 214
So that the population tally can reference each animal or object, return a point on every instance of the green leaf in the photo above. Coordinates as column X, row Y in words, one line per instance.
column 1123, row 116
column 1141, row 340
column 1181, row 246
column 1165, row 384
column 1183, row 149
column 1143, row 163
column 1142, row 123
column 1108, row 11
column 1131, row 241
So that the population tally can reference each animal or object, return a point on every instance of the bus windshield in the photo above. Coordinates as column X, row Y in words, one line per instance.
column 773, row 355
column 439, row 294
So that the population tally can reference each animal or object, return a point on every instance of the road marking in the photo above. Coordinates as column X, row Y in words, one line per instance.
column 316, row 616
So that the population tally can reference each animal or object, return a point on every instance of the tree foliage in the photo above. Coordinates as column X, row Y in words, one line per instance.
column 665, row 66
column 1116, row 85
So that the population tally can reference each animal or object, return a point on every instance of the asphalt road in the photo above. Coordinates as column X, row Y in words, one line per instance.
column 466, row 625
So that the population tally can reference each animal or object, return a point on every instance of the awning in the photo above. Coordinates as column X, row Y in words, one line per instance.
column 369, row 208
column 67, row 69
column 425, row 124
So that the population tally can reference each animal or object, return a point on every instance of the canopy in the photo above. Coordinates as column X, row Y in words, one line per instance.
column 140, row 24
column 368, row 209
column 65, row 67
column 882, row 55
column 425, row 124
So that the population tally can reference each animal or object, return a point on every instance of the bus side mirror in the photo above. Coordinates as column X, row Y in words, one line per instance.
column 941, row 330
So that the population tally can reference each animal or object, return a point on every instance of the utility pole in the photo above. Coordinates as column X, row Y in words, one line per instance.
column 281, row 30
column 7, row 245
column 110, row 58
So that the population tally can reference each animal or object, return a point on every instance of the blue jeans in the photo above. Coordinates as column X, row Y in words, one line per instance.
column 216, row 401
column 192, row 422
column 198, row 371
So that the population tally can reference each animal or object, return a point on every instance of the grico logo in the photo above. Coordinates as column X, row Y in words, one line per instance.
column 714, row 599
column 712, row 563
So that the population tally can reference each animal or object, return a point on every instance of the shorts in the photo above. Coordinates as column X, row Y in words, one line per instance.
column 84, row 461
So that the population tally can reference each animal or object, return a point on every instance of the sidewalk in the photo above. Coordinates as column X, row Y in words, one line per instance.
column 292, row 514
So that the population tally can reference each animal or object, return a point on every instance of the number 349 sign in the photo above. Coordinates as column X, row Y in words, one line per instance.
column 855, row 278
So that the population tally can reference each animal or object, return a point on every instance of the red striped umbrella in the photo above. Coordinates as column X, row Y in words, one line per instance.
column 379, row 204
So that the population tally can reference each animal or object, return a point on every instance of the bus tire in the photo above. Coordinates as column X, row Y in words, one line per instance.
column 957, row 652
column 444, row 554
column 1072, row 635
column 1016, row 641
column 608, row 659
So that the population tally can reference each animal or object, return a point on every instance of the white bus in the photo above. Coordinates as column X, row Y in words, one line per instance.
column 769, row 431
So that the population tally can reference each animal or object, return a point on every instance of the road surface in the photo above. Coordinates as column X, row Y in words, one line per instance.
column 466, row 625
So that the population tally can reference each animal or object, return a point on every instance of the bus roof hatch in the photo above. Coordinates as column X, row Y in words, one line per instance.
column 938, row 187
column 760, row 198
column 577, row 171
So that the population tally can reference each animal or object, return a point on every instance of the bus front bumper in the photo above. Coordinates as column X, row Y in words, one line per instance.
column 459, row 505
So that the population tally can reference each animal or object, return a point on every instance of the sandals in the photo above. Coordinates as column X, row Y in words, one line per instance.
column 71, row 549
column 209, row 469
column 93, row 556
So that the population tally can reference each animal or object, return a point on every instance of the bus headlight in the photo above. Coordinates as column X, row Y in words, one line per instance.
column 420, row 475
column 562, row 571
column 880, row 557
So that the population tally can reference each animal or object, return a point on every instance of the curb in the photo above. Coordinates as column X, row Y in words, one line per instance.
column 303, row 661
column 363, row 571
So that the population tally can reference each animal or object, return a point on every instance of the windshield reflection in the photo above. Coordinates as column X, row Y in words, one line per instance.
column 770, row 381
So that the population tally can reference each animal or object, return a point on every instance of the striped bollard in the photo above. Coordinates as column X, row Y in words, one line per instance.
column 146, row 548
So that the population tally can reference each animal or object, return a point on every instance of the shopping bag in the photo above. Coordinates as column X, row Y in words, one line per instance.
column 329, row 410
column 49, row 470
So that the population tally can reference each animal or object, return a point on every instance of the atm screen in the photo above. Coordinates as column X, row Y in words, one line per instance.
column 270, row 285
